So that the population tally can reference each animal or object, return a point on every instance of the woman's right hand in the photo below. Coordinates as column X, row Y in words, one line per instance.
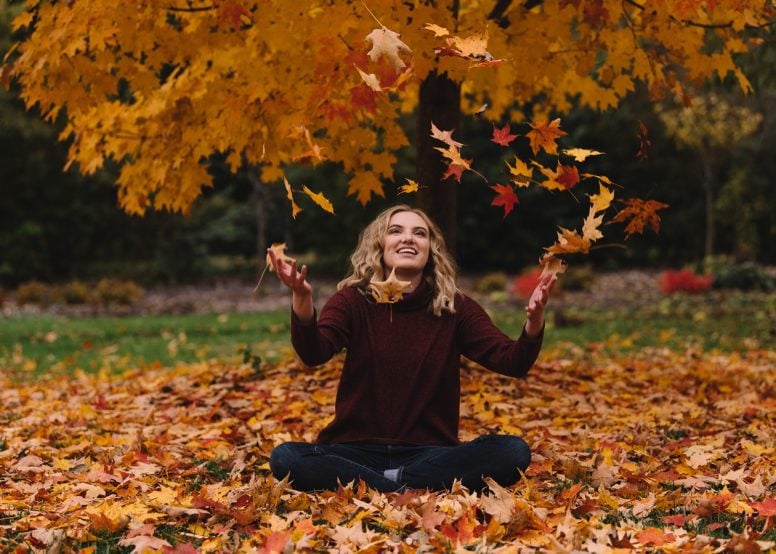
column 296, row 280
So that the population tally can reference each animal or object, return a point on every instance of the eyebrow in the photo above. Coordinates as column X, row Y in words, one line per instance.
column 392, row 225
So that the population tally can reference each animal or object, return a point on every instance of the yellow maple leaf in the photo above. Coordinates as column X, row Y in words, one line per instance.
column 569, row 242
column 602, row 200
column 552, row 265
column 295, row 209
column 590, row 227
column 411, row 186
column 389, row 291
column 319, row 199
column 521, row 173
column 580, row 154
column 438, row 30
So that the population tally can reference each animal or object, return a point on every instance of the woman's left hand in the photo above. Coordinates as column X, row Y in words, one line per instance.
column 536, row 303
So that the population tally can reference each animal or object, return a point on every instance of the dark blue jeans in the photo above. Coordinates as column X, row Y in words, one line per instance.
column 391, row 467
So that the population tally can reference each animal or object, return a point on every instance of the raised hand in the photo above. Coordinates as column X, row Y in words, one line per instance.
column 534, row 311
column 296, row 280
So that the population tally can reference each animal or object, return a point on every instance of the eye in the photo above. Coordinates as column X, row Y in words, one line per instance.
column 421, row 233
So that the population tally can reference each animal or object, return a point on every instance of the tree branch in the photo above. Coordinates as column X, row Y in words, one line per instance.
column 190, row 9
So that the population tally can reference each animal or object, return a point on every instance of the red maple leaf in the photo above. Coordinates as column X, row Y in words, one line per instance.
column 569, row 175
column 765, row 508
column 502, row 136
column 454, row 171
column 644, row 142
column 595, row 13
column 505, row 197
column 641, row 213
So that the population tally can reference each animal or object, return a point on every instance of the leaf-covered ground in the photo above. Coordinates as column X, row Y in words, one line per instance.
column 652, row 450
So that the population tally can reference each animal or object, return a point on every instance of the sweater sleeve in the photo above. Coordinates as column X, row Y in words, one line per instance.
column 317, row 341
column 481, row 341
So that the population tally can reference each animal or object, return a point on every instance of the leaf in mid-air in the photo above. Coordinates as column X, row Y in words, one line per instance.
column 543, row 135
column 411, row 186
column 641, row 213
column 279, row 248
column 505, row 197
column 387, row 43
column 295, row 209
column 521, row 173
column 319, row 199
column 602, row 200
column 552, row 265
column 389, row 291
column 580, row 154
column 503, row 136
column 444, row 136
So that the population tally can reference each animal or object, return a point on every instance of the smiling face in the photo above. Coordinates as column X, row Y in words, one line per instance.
column 406, row 246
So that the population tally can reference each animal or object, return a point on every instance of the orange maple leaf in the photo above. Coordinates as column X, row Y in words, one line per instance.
column 569, row 242
column 551, row 265
column 641, row 213
column 319, row 199
column 505, row 197
column 543, row 136
column 569, row 176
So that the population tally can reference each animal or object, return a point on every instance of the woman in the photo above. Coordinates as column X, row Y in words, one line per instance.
column 397, row 407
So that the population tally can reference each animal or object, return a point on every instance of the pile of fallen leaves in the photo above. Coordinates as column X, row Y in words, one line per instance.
column 652, row 450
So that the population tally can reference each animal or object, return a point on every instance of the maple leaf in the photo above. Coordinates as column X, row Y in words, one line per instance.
column 520, row 172
column 505, row 197
column 569, row 242
column 569, row 176
column 279, row 248
column 411, row 186
column 644, row 142
column 502, row 136
column 370, row 80
column 580, row 154
column 551, row 265
column 444, row 136
column 436, row 29
column 389, row 291
column 641, row 213
column 141, row 543
column 455, row 171
column 543, row 135
column 234, row 14
column 387, row 43
column 765, row 508
column 602, row 200
column 654, row 536
column 319, row 199
column 590, row 226
column 294, row 208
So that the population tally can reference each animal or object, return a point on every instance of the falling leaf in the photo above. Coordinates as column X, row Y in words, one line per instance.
column 602, row 200
column 521, row 173
column 387, row 43
column 411, row 186
column 279, row 249
column 436, row 29
column 370, row 80
column 294, row 208
column 641, row 213
column 444, row 136
column 580, row 154
column 319, row 199
column 644, row 142
column 502, row 136
column 543, row 135
column 591, row 226
column 505, row 197
column 551, row 265
column 568, row 177
column 389, row 291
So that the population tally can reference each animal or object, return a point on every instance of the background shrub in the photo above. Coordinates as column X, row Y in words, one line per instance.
column 684, row 280
column 118, row 291
column 491, row 282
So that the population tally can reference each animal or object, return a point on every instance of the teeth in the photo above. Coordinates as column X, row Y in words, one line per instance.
column 406, row 251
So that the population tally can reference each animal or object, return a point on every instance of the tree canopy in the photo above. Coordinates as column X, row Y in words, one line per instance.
column 160, row 86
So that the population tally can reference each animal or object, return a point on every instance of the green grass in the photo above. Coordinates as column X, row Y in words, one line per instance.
column 36, row 344
column 727, row 321
column 29, row 345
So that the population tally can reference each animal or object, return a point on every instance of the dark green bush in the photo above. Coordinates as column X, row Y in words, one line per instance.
column 743, row 276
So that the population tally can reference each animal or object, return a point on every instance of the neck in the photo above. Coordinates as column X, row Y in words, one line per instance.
column 414, row 277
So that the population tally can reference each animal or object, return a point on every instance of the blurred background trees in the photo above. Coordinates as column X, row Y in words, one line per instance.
column 57, row 225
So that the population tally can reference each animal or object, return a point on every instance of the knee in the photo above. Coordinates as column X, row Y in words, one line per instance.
column 281, row 460
column 517, row 451
column 513, row 456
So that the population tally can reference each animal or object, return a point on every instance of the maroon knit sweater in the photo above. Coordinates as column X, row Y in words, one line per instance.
column 400, row 382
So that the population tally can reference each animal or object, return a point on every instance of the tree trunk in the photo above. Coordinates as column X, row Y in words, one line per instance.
column 260, row 209
column 709, row 180
column 440, row 102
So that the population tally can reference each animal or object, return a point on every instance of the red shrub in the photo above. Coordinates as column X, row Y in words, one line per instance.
column 684, row 280
column 525, row 284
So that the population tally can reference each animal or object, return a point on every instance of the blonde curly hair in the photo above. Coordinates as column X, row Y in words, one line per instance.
column 367, row 260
